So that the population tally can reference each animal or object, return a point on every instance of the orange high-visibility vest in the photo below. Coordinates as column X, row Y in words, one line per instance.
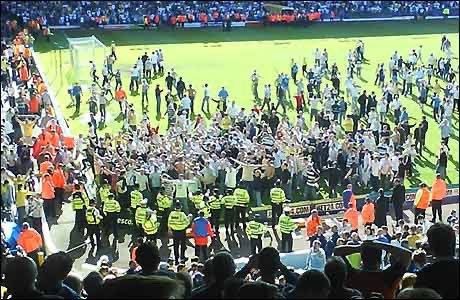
column 438, row 190
column 424, row 200
column 69, row 142
column 367, row 213
column 47, row 188
column 215, row 15
column 173, row 20
column 352, row 216
column 157, row 19
column 312, row 225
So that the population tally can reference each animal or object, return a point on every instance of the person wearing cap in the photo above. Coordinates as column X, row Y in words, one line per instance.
column 196, row 198
column 242, row 202
column 111, row 208
column 93, row 219
column 178, row 223
column 136, row 197
column 286, row 226
column 215, row 205
column 312, row 223
column 48, row 196
column 201, row 230
column 164, row 204
column 438, row 193
column 255, row 231
column 422, row 200
column 229, row 202
column 140, row 215
column 79, row 202
column 31, row 241
column 368, row 213
column 151, row 226
column 104, row 191
column 277, row 197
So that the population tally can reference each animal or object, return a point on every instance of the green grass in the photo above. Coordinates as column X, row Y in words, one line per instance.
column 228, row 59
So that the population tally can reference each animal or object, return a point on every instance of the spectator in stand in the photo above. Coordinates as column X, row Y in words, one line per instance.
column 312, row 284
column 20, row 277
column 52, row 274
column 336, row 271
column 441, row 239
column 370, row 278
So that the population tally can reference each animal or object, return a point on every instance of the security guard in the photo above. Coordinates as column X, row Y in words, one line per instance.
column 178, row 223
column 202, row 206
column 139, row 216
column 79, row 204
column 242, row 202
column 196, row 199
column 286, row 226
column 104, row 191
column 215, row 204
column 164, row 204
column 111, row 208
column 255, row 231
column 93, row 219
column 151, row 226
column 136, row 197
column 229, row 202
column 277, row 197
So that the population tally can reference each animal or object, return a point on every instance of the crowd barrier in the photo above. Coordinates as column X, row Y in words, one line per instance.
column 334, row 206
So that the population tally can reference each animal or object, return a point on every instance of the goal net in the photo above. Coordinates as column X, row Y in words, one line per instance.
column 82, row 51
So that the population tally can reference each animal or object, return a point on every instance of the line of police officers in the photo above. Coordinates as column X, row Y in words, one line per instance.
column 154, row 221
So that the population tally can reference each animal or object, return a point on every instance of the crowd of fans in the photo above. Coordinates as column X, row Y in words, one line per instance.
column 41, row 167
column 133, row 12
column 386, row 271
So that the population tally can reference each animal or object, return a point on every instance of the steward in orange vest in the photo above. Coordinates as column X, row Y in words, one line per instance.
column 438, row 193
column 422, row 200
column 368, row 213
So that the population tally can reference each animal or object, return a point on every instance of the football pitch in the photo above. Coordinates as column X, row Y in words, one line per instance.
column 228, row 59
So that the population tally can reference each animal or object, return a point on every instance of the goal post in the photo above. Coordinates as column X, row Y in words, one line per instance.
column 82, row 51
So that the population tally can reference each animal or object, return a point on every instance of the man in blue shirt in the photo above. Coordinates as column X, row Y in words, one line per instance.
column 223, row 94
column 436, row 103
column 404, row 116
column 294, row 70
column 77, row 92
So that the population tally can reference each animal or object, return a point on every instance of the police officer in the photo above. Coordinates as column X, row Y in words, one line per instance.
column 255, row 231
column 242, row 202
column 178, row 223
column 229, row 202
column 151, row 226
column 139, row 216
column 111, row 208
column 93, row 219
column 286, row 226
column 277, row 197
column 136, row 197
column 164, row 204
column 196, row 199
column 79, row 204
column 215, row 205
column 104, row 191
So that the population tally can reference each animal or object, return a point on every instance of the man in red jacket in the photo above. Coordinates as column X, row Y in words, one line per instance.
column 201, row 230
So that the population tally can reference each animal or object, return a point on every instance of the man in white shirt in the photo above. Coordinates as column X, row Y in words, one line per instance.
column 206, row 98
column 93, row 71
column 135, row 72
column 267, row 96
column 186, row 104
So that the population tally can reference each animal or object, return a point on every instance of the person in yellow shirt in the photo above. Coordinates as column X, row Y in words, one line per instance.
column 226, row 123
column 21, row 194
column 27, row 127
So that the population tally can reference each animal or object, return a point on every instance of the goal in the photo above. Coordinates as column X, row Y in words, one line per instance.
column 82, row 51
